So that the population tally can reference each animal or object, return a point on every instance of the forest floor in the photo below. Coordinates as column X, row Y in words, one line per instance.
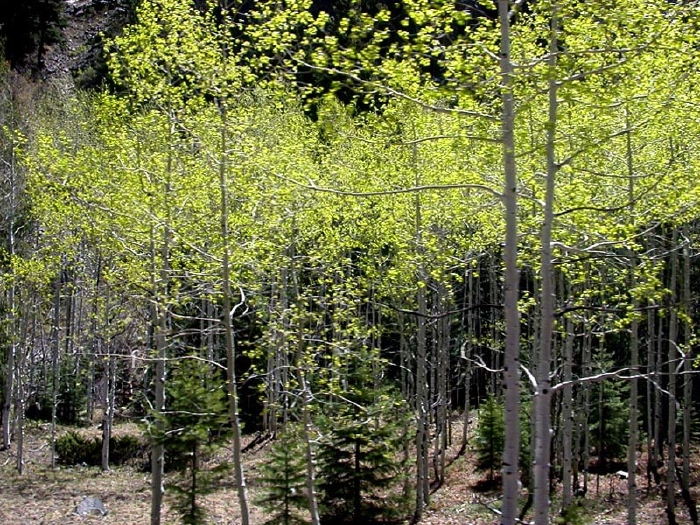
column 47, row 496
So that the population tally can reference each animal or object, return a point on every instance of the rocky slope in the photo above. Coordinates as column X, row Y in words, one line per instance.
column 88, row 22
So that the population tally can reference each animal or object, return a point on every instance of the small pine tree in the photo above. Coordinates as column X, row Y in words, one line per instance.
column 284, row 479
column 359, row 456
column 609, row 433
column 490, row 435
column 195, row 414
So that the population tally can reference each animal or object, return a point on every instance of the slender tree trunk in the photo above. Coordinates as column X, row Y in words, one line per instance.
column 658, row 399
column 468, row 334
column 10, row 371
column 19, row 408
column 275, row 347
column 55, row 362
column 602, row 458
column 407, row 393
column 632, row 441
column 543, row 395
column 652, row 422
column 29, row 314
column 634, row 355
column 11, row 164
column 12, row 336
column 511, row 374
column 422, row 471
column 305, row 415
column 160, row 313
column 90, row 383
column 687, row 387
column 586, row 395
column 159, row 319
column 672, row 400
column 227, row 322
column 109, row 369
column 90, row 394
column 309, row 453
column 442, row 338
column 422, row 378
column 568, row 417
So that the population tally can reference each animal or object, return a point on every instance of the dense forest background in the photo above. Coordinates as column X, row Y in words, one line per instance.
column 349, row 228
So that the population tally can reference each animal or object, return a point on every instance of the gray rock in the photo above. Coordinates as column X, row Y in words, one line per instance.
column 91, row 506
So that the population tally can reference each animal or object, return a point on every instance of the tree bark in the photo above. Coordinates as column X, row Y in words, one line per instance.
column 10, row 372
column 511, row 364
column 672, row 400
column 543, row 396
column 159, row 319
column 634, row 354
column 568, row 417
column 109, row 369
column 652, row 394
column 55, row 362
column 227, row 322
column 160, row 313
column 466, row 354
column 422, row 414
column 687, row 387
column 306, row 429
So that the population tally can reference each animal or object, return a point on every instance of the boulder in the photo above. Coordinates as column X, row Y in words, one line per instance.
column 90, row 507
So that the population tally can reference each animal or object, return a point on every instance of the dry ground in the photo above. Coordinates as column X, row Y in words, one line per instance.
column 48, row 497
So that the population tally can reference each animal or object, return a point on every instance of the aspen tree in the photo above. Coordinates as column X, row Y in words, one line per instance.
column 634, row 351
column 543, row 395
column 511, row 360
column 10, row 141
column 672, row 368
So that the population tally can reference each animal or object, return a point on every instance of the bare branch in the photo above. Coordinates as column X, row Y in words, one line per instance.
column 395, row 92
column 396, row 142
column 531, row 378
column 413, row 189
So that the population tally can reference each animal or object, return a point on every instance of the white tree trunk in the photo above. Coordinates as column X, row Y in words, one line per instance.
column 634, row 357
column 9, row 376
column 160, row 278
column 422, row 413
column 672, row 400
column 159, row 319
column 108, row 415
column 568, row 417
column 687, row 388
column 228, row 325
column 55, row 361
column 10, row 372
column 511, row 360
column 306, row 429
column 543, row 396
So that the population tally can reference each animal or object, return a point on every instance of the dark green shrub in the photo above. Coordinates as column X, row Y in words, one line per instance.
column 123, row 449
column 74, row 448
column 574, row 514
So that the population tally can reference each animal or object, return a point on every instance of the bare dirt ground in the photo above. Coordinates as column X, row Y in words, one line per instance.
column 47, row 496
